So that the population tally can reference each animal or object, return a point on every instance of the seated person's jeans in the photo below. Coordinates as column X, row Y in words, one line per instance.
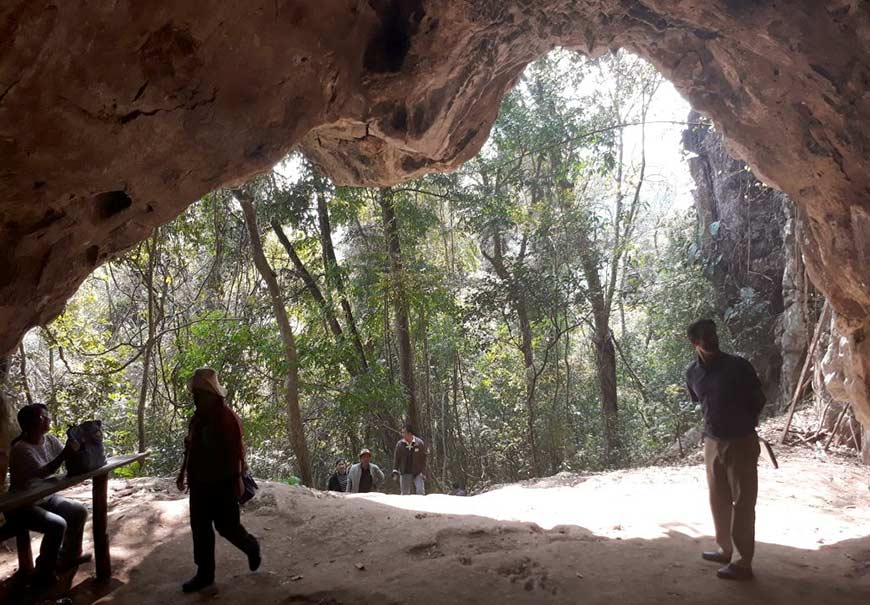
column 62, row 523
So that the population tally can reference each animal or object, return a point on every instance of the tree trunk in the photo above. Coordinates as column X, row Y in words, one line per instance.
column 400, row 302
column 216, row 279
column 457, row 422
column 22, row 366
column 148, row 276
column 605, row 356
column 334, row 279
column 297, row 431
column 605, row 362
column 530, row 374
column 356, row 364
column 52, row 388
column 310, row 284
column 520, row 306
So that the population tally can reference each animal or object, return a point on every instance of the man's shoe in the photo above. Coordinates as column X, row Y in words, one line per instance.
column 735, row 572
column 196, row 583
column 254, row 559
column 66, row 564
column 716, row 556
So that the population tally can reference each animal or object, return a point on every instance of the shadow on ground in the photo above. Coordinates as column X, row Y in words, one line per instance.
column 314, row 547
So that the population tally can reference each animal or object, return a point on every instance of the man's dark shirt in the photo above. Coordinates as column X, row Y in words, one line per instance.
column 216, row 447
column 365, row 480
column 730, row 395
column 337, row 483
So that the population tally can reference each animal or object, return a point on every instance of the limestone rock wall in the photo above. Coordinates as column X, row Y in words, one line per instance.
column 114, row 116
column 741, row 226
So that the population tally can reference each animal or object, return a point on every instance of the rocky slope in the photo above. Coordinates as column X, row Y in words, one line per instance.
column 115, row 116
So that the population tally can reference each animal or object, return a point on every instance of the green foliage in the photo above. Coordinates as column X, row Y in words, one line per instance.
column 540, row 196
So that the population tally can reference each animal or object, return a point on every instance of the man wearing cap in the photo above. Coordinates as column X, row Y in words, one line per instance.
column 213, row 465
column 364, row 476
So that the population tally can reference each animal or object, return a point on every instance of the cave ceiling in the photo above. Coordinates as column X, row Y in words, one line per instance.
column 115, row 116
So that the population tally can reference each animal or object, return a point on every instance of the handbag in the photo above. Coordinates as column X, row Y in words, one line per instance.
column 250, row 487
column 91, row 454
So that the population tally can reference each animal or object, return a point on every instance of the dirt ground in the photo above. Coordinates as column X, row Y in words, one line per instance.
column 631, row 536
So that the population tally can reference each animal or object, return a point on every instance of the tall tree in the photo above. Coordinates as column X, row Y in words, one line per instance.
column 629, row 98
column 517, row 295
column 291, row 390
column 400, row 300
column 334, row 277
column 151, row 249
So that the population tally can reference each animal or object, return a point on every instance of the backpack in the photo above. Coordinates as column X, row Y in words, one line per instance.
column 91, row 454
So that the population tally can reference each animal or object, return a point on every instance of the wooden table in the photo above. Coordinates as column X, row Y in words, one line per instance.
column 42, row 489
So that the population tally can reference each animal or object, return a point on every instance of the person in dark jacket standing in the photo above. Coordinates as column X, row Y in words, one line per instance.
column 731, row 399
column 214, row 462
column 409, row 462
column 338, row 479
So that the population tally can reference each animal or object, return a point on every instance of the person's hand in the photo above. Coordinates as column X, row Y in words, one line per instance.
column 72, row 446
column 179, row 482
column 395, row 475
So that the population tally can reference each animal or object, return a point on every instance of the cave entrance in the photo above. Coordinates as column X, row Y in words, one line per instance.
column 600, row 205
column 54, row 246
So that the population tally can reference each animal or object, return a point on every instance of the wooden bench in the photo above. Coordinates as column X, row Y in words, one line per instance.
column 42, row 489
column 22, row 541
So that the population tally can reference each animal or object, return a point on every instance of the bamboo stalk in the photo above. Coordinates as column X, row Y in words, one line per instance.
column 807, row 363
column 836, row 426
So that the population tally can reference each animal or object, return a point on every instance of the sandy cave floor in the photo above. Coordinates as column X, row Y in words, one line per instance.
column 630, row 536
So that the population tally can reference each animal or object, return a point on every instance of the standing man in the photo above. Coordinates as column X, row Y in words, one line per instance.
column 731, row 401
column 338, row 480
column 409, row 462
column 364, row 476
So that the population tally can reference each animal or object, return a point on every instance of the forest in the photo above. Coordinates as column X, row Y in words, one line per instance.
column 526, row 313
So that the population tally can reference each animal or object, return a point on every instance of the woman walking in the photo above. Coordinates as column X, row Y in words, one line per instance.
column 213, row 465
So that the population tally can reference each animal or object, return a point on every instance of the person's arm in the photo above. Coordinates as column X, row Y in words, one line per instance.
column 241, row 465
column 181, row 480
column 27, row 467
column 755, row 393
column 396, row 454
column 424, row 454
column 692, row 394
column 377, row 474
column 348, row 488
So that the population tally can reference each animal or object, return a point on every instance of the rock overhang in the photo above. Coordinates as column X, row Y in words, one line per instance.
column 114, row 118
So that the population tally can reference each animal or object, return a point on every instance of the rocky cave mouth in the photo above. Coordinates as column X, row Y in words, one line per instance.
column 380, row 91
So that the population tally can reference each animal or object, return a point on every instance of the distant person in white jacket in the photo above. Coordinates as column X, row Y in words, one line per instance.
column 364, row 477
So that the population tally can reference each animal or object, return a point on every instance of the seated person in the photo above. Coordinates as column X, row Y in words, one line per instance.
column 35, row 455
column 364, row 476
